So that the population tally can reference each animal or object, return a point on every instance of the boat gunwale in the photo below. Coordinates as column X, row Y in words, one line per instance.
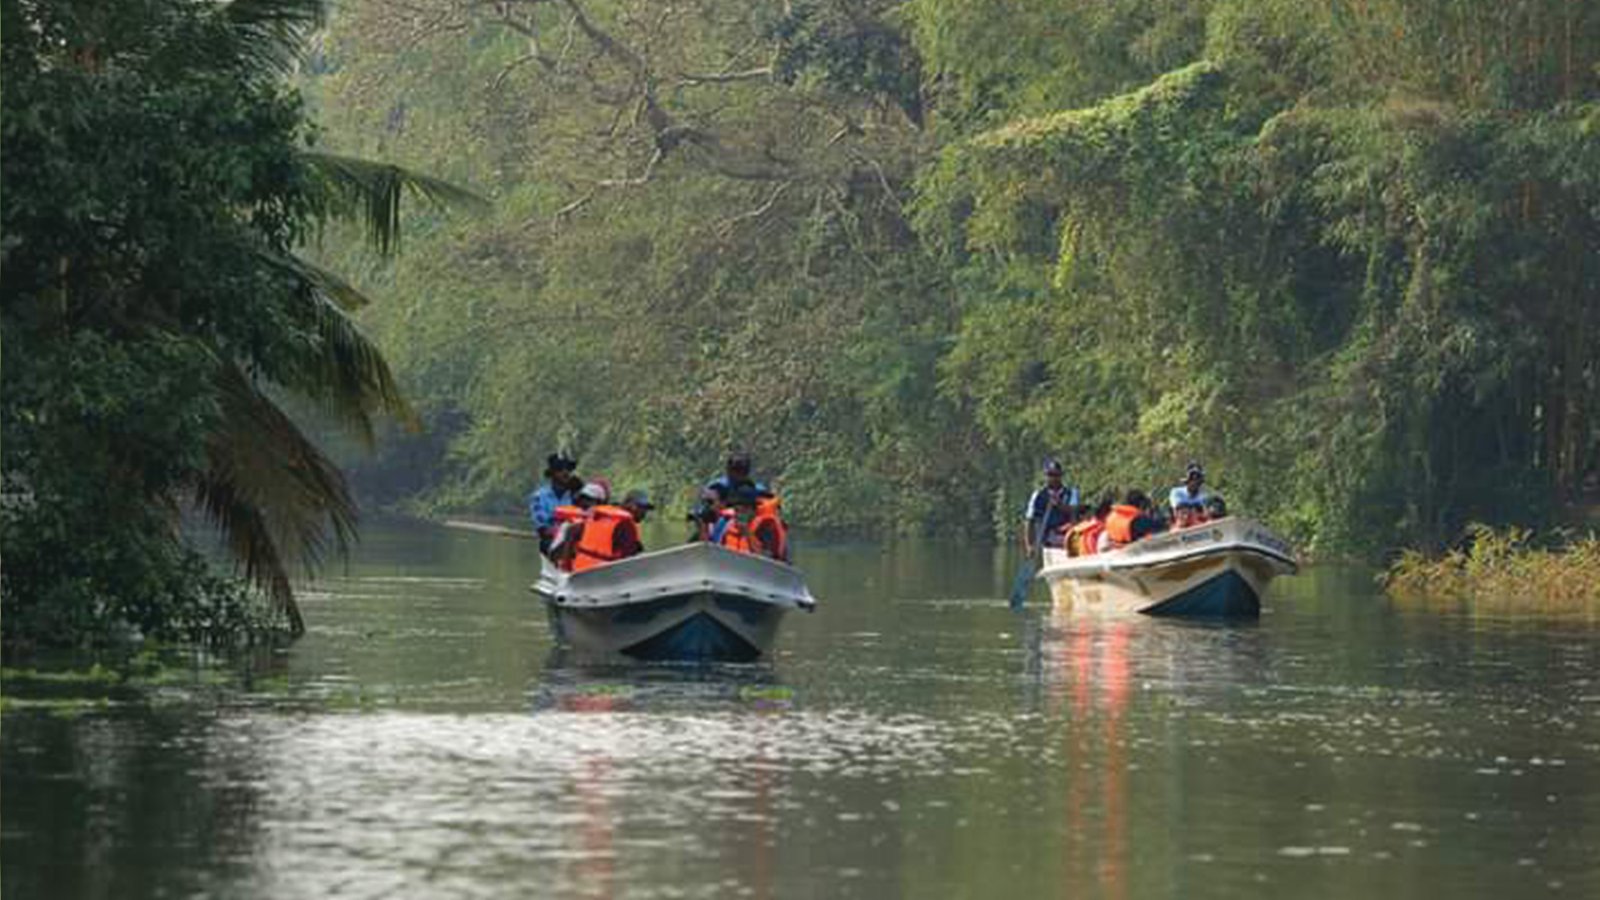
column 569, row 591
column 1082, row 565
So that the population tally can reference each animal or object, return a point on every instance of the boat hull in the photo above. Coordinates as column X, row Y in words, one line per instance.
column 1216, row 570
column 696, row 603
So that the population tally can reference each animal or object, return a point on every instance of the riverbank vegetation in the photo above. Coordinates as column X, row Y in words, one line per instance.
column 1503, row 566
column 1344, row 252
column 163, row 338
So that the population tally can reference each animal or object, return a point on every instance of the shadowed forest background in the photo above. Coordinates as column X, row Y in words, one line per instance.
column 1345, row 253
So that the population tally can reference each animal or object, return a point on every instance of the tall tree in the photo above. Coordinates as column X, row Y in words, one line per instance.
column 159, row 179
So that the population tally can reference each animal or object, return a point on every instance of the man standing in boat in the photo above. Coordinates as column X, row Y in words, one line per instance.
column 560, row 488
column 719, row 493
column 1050, row 510
column 1190, row 501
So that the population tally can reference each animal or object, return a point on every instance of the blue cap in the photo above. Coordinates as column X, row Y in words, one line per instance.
column 1052, row 466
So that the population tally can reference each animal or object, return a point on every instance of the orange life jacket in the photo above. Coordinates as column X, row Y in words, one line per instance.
column 598, row 545
column 568, row 514
column 1119, row 525
column 734, row 535
column 774, row 537
column 1084, row 538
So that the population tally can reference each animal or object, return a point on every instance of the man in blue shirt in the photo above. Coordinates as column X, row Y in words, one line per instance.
column 1189, row 501
column 560, row 488
column 1055, row 506
column 719, row 492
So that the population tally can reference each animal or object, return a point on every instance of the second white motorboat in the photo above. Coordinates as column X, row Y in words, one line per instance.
column 1218, row 568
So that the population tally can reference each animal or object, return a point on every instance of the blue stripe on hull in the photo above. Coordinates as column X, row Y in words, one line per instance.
column 699, row 638
column 1227, row 594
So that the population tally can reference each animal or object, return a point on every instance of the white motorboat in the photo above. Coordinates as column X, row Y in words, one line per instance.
column 694, row 602
column 1218, row 568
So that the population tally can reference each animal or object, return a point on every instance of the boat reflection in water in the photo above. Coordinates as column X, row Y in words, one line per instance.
column 622, row 704
column 1086, row 671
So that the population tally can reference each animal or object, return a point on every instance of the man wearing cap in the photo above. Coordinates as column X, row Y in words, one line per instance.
column 735, row 476
column 637, row 503
column 719, row 493
column 1189, row 501
column 1050, row 510
column 560, row 488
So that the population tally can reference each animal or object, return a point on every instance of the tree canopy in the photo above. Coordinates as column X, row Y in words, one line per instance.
column 159, row 179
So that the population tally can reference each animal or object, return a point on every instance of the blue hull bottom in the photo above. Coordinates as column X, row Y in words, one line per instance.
column 1227, row 595
column 699, row 638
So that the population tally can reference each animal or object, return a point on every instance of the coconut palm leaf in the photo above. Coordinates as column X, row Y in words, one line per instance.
column 371, row 192
column 271, row 491
column 339, row 368
column 311, row 276
column 268, row 36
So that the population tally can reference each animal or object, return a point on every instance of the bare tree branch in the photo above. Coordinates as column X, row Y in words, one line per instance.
column 692, row 80
column 725, row 228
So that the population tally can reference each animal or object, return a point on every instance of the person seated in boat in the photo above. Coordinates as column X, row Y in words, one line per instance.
column 747, row 527
column 1050, row 511
column 571, row 521
column 559, row 488
column 1216, row 508
column 609, row 533
column 769, row 527
column 1189, row 500
column 1084, row 537
column 1129, row 521
column 637, row 503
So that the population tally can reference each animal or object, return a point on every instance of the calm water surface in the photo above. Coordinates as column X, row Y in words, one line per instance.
column 913, row 738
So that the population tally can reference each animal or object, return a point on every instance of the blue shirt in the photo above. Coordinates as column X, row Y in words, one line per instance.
column 1180, row 498
column 542, row 505
column 1056, row 517
column 723, row 486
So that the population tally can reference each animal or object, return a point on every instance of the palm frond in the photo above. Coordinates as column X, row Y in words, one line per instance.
column 371, row 192
column 271, row 491
column 341, row 370
column 314, row 277
column 268, row 36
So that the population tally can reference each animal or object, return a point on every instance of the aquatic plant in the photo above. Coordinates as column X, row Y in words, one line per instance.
column 1507, row 564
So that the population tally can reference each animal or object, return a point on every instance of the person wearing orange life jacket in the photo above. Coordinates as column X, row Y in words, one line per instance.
column 1128, row 521
column 570, row 523
column 610, row 534
column 768, row 527
column 637, row 503
column 747, row 528
column 1084, row 538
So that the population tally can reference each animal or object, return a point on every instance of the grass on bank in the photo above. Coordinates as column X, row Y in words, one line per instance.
column 1504, row 565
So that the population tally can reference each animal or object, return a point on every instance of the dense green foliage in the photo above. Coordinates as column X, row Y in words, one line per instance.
column 1502, row 571
column 157, row 181
column 1345, row 252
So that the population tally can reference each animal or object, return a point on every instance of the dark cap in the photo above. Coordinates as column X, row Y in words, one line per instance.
column 739, row 459
column 1052, row 466
column 1193, row 471
column 560, row 462
column 638, row 497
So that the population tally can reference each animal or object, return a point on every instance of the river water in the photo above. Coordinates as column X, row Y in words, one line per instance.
column 912, row 738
